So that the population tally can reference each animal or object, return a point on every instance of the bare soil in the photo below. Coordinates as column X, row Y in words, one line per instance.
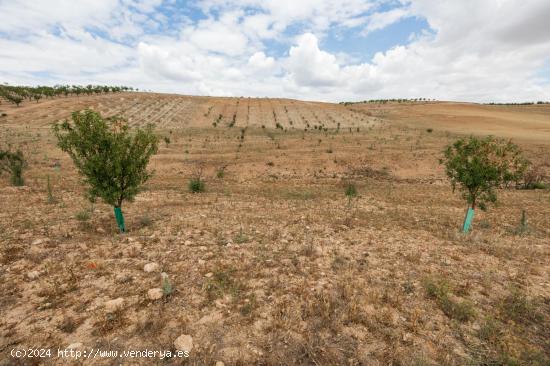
column 272, row 264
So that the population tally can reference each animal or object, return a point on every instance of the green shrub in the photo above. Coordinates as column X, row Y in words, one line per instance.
column 350, row 192
column 13, row 163
column 51, row 198
column 196, row 185
column 440, row 290
column 112, row 158
column 83, row 215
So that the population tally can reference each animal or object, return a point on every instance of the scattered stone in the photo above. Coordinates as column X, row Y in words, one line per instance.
column 114, row 305
column 124, row 278
column 151, row 267
column 201, row 262
column 188, row 242
column 219, row 363
column 100, row 230
column 155, row 294
column 184, row 343
column 33, row 275
column 39, row 241
column 209, row 274
column 76, row 345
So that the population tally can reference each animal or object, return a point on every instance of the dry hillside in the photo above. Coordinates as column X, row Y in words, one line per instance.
column 272, row 265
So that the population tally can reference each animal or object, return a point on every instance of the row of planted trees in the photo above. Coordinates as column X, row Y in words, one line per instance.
column 18, row 94
column 113, row 161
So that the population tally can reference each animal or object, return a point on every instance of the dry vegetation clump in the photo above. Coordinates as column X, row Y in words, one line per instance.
column 278, row 261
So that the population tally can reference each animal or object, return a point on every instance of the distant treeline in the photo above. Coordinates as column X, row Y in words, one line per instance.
column 384, row 101
column 522, row 103
column 17, row 94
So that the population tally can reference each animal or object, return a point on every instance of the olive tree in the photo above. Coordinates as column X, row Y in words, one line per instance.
column 479, row 166
column 112, row 158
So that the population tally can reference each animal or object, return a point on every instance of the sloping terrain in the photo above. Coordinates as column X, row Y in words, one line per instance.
column 272, row 264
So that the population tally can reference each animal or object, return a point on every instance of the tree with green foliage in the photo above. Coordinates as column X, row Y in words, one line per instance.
column 479, row 166
column 13, row 163
column 112, row 158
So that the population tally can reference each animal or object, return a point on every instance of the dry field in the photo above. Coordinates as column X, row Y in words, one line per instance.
column 271, row 265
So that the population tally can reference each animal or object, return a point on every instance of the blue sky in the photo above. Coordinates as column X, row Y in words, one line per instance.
column 307, row 49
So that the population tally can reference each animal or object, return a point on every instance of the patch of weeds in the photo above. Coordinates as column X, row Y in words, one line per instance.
column 222, row 283
column 196, row 185
column 408, row 287
column 109, row 322
column 440, row 290
column 11, row 253
column 338, row 263
column 308, row 250
column 518, row 307
column 350, row 192
column 241, row 237
column 484, row 224
column 299, row 195
column 68, row 325
column 83, row 215
column 249, row 305
column 167, row 288
column 51, row 199
column 490, row 330
column 523, row 227
column 220, row 173
column 145, row 220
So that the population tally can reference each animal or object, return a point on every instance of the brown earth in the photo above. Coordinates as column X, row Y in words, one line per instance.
column 271, row 264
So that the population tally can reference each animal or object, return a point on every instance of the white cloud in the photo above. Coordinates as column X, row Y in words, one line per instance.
column 489, row 50
column 309, row 66
column 260, row 62
column 381, row 20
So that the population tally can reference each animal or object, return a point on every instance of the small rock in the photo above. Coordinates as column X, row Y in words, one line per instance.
column 154, row 294
column 100, row 230
column 209, row 274
column 39, row 241
column 114, row 305
column 123, row 278
column 76, row 345
column 33, row 275
column 184, row 343
column 187, row 242
column 151, row 267
column 219, row 363
column 201, row 262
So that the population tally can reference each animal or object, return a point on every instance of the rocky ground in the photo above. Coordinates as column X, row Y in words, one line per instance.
column 272, row 264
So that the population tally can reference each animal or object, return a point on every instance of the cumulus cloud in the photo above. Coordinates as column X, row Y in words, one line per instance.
column 472, row 50
column 309, row 66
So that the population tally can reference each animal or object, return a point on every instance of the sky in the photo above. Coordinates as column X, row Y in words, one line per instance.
column 346, row 50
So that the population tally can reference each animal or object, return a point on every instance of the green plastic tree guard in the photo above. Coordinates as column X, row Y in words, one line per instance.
column 119, row 219
column 468, row 220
